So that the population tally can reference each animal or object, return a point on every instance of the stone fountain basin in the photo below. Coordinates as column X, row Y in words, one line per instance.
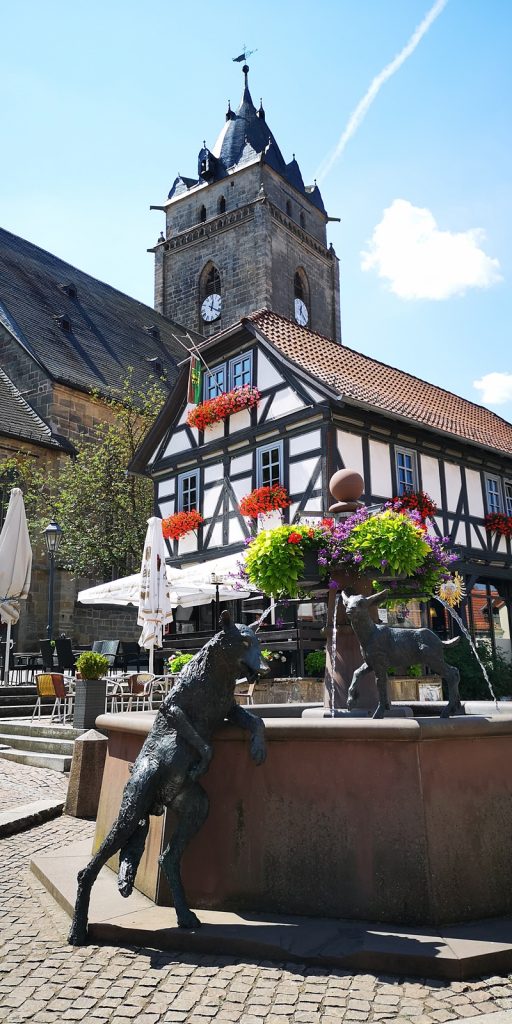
column 398, row 820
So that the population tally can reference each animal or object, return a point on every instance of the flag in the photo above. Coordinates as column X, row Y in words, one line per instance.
column 195, row 381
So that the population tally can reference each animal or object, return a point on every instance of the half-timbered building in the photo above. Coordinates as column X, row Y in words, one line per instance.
column 323, row 407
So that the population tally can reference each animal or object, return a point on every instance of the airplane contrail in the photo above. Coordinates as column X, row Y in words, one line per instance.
column 363, row 106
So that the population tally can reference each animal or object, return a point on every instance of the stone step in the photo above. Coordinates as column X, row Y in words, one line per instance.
column 39, row 744
column 55, row 762
column 21, row 711
column 52, row 730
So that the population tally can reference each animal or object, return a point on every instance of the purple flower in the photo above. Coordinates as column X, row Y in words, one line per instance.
column 384, row 563
column 332, row 585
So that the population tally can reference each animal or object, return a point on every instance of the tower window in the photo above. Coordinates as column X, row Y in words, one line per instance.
column 288, row 207
column 202, row 213
column 298, row 285
column 212, row 282
column 302, row 220
column 222, row 205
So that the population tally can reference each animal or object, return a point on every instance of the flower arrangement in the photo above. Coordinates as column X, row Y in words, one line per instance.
column 498, row 522
column 92, row 665
column 388, row 543
column 181, row 523
column 414, row 501
column 213, row 410
column 274, row 560
column 263, row 500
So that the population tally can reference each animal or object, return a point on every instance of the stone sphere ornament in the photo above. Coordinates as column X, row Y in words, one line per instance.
column 347, row 487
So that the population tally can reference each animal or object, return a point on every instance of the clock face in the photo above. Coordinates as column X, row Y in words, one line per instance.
column 301, row 312
column 211, row 307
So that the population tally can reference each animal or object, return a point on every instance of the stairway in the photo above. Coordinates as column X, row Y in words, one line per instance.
column 19, row 701
column 42, row 745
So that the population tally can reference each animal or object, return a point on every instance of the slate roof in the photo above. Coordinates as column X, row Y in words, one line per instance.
column 108, row 331
column 18, row 419
column 358, row 378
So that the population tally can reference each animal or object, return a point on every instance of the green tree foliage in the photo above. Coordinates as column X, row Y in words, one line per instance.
column 472, row 683
column 102, row 511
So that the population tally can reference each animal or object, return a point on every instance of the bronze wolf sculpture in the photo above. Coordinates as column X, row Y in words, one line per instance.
column 176, row 752
column 386, row 647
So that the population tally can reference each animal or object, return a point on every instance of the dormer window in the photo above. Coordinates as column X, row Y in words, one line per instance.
column 153, row 330
column 70, row 290
column 64, row 323
column 222, row 205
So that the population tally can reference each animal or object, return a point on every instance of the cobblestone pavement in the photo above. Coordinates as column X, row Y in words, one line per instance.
column 22, row 784
column 45, row 981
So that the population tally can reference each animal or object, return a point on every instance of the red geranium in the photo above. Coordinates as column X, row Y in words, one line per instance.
column 216, row 409
column 295, row 538
column 498, row 522
column 181, row 523
column 414, row 501
column 264, row 499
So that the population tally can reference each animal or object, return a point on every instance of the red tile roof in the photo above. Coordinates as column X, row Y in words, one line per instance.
column 355, row 376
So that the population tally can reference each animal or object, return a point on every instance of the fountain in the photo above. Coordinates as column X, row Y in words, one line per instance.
column 402, row 821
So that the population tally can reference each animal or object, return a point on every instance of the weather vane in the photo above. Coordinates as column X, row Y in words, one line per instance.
column 244, row 55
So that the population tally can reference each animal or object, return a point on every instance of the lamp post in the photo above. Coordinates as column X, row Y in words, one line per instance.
column 52, row 538
column 216, row 580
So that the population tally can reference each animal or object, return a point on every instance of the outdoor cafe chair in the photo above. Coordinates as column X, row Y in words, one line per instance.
column 134, row 692
column 65, row 656
column 52, row 684
column 246, row 693
column 47, row 652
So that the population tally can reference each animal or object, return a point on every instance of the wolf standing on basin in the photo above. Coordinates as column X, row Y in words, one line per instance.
column 177, row 751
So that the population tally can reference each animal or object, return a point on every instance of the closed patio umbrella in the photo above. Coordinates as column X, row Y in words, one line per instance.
column 155, row 609
column 15, row 566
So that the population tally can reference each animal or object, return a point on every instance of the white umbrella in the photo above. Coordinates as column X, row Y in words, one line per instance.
column 15, row 566
column 154, row 600
column 126, row 590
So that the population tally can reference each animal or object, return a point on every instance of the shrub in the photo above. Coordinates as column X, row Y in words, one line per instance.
column 472, row 682
column 92, row 665
column 315, row 663
column 176, row 664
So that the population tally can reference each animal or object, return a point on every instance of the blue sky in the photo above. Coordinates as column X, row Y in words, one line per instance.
column 103, row 104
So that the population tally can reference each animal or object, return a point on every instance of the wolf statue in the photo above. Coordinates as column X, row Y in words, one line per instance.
column 175, row 754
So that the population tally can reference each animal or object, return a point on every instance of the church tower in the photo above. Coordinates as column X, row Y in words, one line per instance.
column 246, row 233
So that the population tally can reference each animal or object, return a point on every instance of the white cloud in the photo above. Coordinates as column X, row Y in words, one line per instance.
column 422, row 262
column 496, row 388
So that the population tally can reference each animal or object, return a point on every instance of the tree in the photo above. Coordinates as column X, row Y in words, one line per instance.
column 102, row 510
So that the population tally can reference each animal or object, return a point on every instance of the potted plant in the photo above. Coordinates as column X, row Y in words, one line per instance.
column 179, row 661
column 314, row 663
column 263, row 500
column 91, row 689
column 181, row 523
column 275, row 559
column 498, row 522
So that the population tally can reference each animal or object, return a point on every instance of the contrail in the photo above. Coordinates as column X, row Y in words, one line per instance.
column 364, row 105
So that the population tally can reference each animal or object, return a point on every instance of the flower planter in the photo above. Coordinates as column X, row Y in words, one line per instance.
column 311, row 575
column 90, row 696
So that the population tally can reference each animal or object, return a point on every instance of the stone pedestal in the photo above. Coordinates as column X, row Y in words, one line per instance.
column 86, row 773
column 90, row 695
column 347, row 657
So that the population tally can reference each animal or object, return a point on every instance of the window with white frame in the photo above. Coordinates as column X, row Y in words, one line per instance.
column 215, row 381
column 508, row 497
column 493, row 493
column 269, row 468
column 188, row 491
column 406, row 474
column 240, row 370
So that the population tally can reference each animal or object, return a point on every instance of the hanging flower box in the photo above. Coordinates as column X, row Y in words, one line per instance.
column 219, row 408
column 263, row 500
column 498, row 522
column 181, row 523
column 414, row 501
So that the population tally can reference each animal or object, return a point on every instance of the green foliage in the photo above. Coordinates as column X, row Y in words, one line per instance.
column 91, row 665
column 315, row 663
column 274, row 560
column 389, row 539
column 176, row 664
column 472, row 683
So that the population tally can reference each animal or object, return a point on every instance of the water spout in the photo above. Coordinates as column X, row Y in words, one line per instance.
column 469, row 638
column 333, row 651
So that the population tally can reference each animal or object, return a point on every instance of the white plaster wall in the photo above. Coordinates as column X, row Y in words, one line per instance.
column 166, row 507
column 187, row 544
column 214, row 432
column 453, row 485
column 474, row 488
column 166, row 488
column 305, row 442
column 216, row 537
column 270, row 520
column 213, row 472
column 241, row 464
column 431, row 482
column 350, row 447
column 301, row 473
column 210, row 499
column 315, row 395
column 292, row 509
column 268, row 376
column 242, row 487
column 183, row 417
column 235, row 531
column 239, row 420
column 283, row 403
column 178, row 442
column 460, row 537
column 475, row 543
column 380, row 470
column 313, row 505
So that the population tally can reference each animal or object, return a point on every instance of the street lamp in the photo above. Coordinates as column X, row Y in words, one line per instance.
column 216, row 580
column 52, row 538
